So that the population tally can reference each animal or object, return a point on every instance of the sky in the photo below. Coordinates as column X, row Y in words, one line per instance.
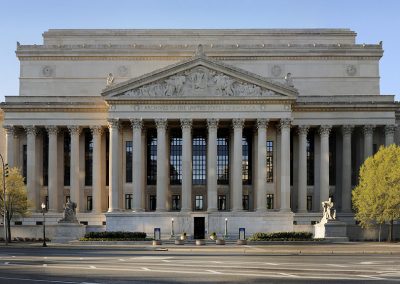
column 373, row 20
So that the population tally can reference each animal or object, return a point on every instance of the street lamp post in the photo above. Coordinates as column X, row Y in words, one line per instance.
column 4, row 201
column 226, row 228
column 172, row 228
column 44, row 224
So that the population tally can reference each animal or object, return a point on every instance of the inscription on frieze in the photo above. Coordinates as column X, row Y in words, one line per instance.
column 199, row 81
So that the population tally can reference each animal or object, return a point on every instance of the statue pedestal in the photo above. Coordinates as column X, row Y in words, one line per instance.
column 332, row 230
column 65, row 232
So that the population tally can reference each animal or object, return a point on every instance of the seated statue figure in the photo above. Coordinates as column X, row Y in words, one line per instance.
column 69, row 215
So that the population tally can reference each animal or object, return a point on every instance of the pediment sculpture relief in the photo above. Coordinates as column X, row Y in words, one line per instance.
column 199, row 81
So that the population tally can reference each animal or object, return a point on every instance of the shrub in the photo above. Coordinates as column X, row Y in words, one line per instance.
column 122, row 236
column 281, row 236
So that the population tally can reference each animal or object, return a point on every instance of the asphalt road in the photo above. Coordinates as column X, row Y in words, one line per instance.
column 124, row 265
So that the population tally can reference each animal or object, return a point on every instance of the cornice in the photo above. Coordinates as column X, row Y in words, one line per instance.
column 346, row 108
column 181, row 101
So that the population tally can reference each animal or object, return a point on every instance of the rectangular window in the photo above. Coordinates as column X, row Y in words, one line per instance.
column 24, row 162
column 128, row 161
column 309, row 202
column 270, row 201
column 199, row 158
column 151, row 157
column 245, row 202
column 270, row 161
column 310, row 158
column 153, row 203
column 199, row 202
column 176, row 202
column 67, row 159
column 246, row 159
column 128, row 201
column 221, row 202
column 89, row 203
column 88, row 158
column 175, row 158
column 223, row 159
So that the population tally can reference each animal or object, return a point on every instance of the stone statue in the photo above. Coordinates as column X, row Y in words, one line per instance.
column 69, row 215
column 289, row 80
column 329, row 212
column 110, row 79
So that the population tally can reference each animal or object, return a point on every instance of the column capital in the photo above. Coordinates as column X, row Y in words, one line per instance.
column 237, row 123
column 186, row 123
column 368, row 129
column 113, row 123
column 212, row 123
column 325, row 130
column 161, row 123
column 262, row 123
column 10, row 129
column 31, row 130
column 390, row 129
column 96, row 130
column 136, row 123
column 285, row 123
column 74, row 129
column 347, row 129
column 52, row 129
column 303, row 129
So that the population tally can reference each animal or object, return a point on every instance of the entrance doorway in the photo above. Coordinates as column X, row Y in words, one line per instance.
column 199, row 228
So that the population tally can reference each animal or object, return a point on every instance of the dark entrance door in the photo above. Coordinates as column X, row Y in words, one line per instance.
column 199, row 228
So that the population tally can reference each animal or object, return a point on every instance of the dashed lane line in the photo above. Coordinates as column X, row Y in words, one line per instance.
column 214, row 272
column 145, row 269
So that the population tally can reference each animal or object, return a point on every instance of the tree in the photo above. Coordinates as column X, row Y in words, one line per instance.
column 376, row 198
column 16, row 197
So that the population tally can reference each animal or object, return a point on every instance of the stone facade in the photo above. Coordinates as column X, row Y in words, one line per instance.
column 256, row 126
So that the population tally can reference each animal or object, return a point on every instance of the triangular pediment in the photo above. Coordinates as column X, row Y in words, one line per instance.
column 199, row 77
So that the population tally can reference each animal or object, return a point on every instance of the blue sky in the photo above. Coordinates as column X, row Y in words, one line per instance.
column 25, row 21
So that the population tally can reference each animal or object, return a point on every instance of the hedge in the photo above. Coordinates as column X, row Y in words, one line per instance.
column 117, row 236
column 282, row 236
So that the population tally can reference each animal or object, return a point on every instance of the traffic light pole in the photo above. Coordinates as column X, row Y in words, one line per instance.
column 4, row 201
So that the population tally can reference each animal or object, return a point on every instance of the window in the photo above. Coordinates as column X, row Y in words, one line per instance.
column 199, row 158
column 309, row 202
column 67, row 159
column 88, row 158
column 45, row 160
column 246, row 159
column 310, row 159
column 221, row 202
column 89, row 203
column 128, row 161
column 223, row 159
column 24, row 162
column 151, row 156
column 270, row 161
column 270, row 201
column 199, row 202
column 128, row 201
column 153, row 203
column 175, row 158
column 176, row 202
column 245, row 202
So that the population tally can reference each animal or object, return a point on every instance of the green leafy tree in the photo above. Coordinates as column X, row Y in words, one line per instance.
column 16, row 197
column 376, row 198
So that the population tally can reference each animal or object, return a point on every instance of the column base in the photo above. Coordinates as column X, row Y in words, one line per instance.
column 285, row 210
column 138, row 210
column 302, row 211
column 261, row 210
column 161, row 210
column 238, row 210
column 114, row 210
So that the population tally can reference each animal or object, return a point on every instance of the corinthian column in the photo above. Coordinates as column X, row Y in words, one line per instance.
column 97, row 131
column 324, row 132
column 302, row 193
column 261, row 191
column 186, row 125
column 162, row 165
column 137, row 164
column 113, row 190
column 237, row 185
column 389, row 134
column 212, row 179
column 75, row 192
column 285, row 165
column 54, row 200
column 346, row 168
column 32, row 183
column 11, row 137
column 368, row 140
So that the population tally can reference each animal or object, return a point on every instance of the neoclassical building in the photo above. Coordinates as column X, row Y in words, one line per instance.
column 141, row 126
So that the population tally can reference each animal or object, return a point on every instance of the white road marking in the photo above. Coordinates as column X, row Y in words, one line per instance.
column 372, row 277
column 366, row 262
column 13, row 256
column 166, row 260
column 214, row 272
column 44, row 265
column 145, row 269
column 45, row 257
column 39, row 280
column 152, row 257
column 287, row 274
column 81, row 258
column 217, row 261
column 336, row 265
column 121, row 259
column 270, row 263
column 93, row 267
